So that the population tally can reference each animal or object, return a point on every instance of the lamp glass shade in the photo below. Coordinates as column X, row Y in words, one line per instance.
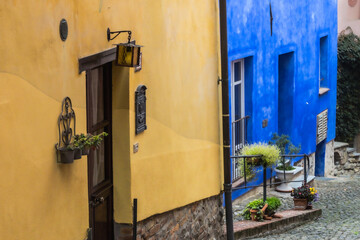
column 127, row 54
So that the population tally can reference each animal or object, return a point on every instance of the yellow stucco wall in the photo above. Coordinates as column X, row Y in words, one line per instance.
column 179, row 158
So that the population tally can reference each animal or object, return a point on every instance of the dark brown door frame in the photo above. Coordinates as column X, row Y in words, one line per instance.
column 103, row 190
column 103, row 59
column 97, row 60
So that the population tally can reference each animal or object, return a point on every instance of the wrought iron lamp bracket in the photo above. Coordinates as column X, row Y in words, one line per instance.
column 117, row 34
column 66, row 119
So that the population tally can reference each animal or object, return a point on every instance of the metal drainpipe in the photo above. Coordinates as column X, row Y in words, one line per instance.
column 225, row 119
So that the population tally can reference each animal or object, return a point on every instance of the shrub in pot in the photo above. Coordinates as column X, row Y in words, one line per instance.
column 283, row 169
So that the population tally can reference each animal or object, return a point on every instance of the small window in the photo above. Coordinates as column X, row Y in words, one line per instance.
column 323, row 66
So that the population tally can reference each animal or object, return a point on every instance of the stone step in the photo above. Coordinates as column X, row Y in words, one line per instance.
column 350, row 150
column 298, row 169
column 340, row 145
column 354, row 155
column 310, row 178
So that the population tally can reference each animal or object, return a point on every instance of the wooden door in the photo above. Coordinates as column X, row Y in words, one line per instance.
column 99, row 114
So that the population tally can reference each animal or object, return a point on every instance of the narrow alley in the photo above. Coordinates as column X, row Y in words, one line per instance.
column 339, row 201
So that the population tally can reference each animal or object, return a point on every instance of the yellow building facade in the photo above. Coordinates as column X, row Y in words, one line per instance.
column 178, row 161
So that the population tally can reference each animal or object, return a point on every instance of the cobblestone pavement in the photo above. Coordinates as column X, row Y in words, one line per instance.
column 340, row 204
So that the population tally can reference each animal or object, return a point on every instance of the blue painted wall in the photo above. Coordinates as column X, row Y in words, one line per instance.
column 298, row 27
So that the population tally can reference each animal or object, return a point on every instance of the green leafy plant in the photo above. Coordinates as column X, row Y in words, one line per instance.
column 79, row 140
column 89, row 141
column 285, row 145
column 273, row 204
column 270, row 153
column 96, row 140
column 257, row 204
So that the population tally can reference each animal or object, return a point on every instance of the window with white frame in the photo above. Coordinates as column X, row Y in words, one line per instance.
column 237, row 111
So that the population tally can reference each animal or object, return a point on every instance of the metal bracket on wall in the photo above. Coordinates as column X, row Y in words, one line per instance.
column 66, row 121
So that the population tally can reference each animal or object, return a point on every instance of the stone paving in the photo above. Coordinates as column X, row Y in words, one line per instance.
column 340, row 203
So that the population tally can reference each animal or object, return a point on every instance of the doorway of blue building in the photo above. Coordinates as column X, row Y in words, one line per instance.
column 100, row 179
column 286, row 68
column 320, row 159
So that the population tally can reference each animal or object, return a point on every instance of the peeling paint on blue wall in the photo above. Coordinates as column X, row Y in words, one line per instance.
column 285, row 67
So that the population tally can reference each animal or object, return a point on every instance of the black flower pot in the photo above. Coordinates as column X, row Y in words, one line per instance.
column 77, row 153
column 66, row 155
column 85, row 151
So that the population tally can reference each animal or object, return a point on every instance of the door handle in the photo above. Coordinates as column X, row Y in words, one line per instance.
column 97, row 201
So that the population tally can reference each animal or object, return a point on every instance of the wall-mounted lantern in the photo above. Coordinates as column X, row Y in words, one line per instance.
column 127, row 54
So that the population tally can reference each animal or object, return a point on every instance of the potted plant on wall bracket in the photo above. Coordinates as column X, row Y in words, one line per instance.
column 66, row 127
column 77, row 151
column 89, row 141
column 269, row 154
column 284, row 171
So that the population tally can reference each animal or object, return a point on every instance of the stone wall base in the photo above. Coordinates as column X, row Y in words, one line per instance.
column 329, row 158
column 199, row 220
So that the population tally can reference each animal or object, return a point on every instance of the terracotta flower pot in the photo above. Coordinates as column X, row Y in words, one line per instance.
column 300, row 204
column 255, row 215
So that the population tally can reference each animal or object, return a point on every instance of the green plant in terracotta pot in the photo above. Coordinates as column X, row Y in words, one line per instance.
column 304, row 196
column 273, row 204
column 255, row 210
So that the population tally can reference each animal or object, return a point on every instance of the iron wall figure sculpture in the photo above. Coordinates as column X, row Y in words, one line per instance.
column 140, row 109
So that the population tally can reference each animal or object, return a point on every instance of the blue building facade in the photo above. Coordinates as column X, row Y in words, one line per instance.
column 282, row 73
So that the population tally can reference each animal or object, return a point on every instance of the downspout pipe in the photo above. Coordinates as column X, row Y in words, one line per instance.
column 225, row 119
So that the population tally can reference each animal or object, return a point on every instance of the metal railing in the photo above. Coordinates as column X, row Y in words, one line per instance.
column 239, row 139
column 264, row 184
